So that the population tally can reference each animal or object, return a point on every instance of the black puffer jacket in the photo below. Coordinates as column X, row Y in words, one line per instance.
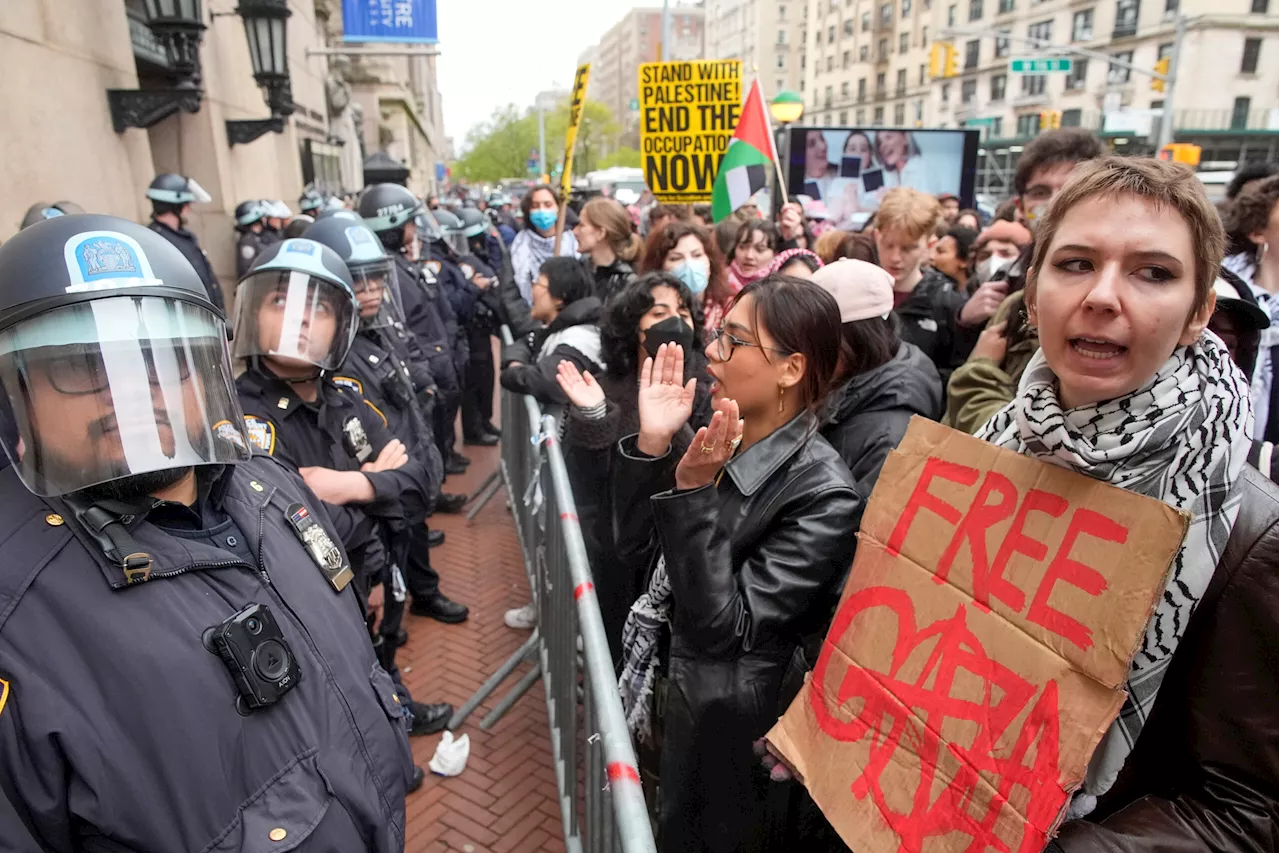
column 755, row 563
column 869, row 415
column 609, row 279
column 931, row 320
column 574, row 335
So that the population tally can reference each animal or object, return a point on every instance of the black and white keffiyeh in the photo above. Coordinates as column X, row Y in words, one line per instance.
column 1183, row 439
column 641, row 636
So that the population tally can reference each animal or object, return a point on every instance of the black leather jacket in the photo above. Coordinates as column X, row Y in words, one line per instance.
column 756, row 564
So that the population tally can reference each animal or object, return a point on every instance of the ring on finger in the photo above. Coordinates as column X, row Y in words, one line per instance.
column 705, row 448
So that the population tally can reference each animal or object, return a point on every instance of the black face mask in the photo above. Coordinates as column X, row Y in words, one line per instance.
column 673, row 330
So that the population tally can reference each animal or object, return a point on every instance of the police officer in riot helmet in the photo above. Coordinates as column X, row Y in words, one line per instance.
column 181, row 649
column 310, row 202
column 298, row 225
column 382, row 368
column 278, row 216
column 297, row 316
column 171, row 199
column 399, row 219
column 478, row 259
column 250, row 219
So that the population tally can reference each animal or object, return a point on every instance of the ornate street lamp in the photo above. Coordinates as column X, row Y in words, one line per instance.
column 178, row 26
column 785, row 108
column 266, row 27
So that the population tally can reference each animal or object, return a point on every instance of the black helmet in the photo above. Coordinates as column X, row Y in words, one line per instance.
column 340, row 212
column 176, row 190
column 474, row 223
column 310, row 201
column 387, row 207
column 249, row 212
column 312, row 316
column 372, row 269
column 453, row 231
column 40, row 211
column 113, row 361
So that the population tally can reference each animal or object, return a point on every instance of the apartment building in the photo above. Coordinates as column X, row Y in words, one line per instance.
column 767, row 36
column 637, row 38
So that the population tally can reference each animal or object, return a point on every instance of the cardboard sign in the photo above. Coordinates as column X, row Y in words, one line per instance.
column 980, row 648
column 688, row 111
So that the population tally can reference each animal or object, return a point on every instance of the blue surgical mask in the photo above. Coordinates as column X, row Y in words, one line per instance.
column 543, row 220
column 694, row 274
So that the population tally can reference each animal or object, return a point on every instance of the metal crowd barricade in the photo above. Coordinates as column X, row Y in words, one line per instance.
column 589, row 737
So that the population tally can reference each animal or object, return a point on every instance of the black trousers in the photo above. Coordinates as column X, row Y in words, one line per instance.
column 420, row 579
column 477, row 394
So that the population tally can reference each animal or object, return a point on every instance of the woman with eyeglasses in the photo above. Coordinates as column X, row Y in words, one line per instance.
column 752, row 534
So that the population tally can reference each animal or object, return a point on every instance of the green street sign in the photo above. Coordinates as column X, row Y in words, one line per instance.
column 979, row 122
column 634, row 105
column 1040, row 66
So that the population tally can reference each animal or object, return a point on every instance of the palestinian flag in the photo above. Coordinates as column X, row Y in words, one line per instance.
column 744, row 171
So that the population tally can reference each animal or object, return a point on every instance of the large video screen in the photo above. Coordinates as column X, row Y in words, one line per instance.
column 850, row 169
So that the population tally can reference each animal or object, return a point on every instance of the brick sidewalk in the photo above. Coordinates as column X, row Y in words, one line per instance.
column 506, row 800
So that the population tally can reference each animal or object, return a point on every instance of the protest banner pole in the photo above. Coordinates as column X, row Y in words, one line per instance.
column 777, row 162
column 576, row 105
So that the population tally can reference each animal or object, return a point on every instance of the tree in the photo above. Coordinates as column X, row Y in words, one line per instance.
column 628, row 157
column 499, row 148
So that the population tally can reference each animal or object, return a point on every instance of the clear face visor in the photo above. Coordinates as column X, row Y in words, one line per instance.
column 458, row 242
column 378, row 294
column 293, row 317
column 115, row 387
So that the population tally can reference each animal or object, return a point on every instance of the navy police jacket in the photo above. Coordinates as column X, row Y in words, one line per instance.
column 119, row 730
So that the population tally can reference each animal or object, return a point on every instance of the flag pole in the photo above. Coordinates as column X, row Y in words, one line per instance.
column 773, row 143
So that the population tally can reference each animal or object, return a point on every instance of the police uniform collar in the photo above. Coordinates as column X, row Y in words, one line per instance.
column 287, row 400
column 156, row 224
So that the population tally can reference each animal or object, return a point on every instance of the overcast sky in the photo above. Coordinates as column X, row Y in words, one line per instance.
column 497, row 52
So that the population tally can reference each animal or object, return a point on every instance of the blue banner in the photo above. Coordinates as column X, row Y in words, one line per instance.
column 403, row 21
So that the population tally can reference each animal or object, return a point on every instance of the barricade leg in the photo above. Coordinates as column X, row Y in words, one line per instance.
column 525, row 652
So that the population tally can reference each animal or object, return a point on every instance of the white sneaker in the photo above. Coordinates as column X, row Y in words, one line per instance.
column 521, row 618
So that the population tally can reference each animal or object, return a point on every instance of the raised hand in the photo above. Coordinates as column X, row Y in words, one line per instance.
column 579, row 386
column 666, row 402
column 712, row 447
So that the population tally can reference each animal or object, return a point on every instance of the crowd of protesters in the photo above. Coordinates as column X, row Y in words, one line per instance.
column 728, row 395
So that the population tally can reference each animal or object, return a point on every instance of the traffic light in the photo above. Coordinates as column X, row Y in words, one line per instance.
column 1181, row 152
column 1050, row 119
column 1162, row 68
column 944, row 60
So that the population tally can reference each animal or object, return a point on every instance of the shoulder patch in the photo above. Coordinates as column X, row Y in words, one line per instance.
column 262, row 433
column 227, row 432
column 378, row 411
column 434, row 266
column 350, row 383
column 468, row 271
column 247, row 252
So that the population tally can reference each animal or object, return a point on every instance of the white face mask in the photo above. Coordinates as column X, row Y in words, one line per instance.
column 987, row 269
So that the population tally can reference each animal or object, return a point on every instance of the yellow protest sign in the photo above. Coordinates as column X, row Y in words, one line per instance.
column 688, row 111
column 576, row 103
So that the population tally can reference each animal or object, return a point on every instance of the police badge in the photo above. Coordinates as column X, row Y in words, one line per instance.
column 324, row 553
column 356, row 440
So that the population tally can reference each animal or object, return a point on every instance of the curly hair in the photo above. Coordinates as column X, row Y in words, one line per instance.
column 526, row 202
column 662, row 241
column 1249, row 213
column 620, row 325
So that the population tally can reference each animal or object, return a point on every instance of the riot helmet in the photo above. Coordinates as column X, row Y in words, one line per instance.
column 386, row 209
column 249, row 213
column 310, row 202
column 373, row 276
column 170, row 193
column 297, row 225
column 340, row 212
column 296, row 308
column 452, row 231
column 474, row 223
column 113, row 362
column 40, row 211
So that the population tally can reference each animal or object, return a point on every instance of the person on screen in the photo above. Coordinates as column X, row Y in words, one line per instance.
column 818, row 170
column 899, row 156
column 859, row 145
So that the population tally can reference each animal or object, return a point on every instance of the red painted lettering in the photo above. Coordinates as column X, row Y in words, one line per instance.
column 1016, row 542
column 922, row 499
column 1083, row 523
column 977, row 521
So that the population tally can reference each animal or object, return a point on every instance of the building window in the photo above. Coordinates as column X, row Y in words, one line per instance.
column 802, row 61
column 1033, row 84
column 946, row 93
column 781, row 62
column 1082, row 25
column 1071, row 118
column 782, row 13
column 1041, row 31
column 1002, row 45
column 1240, row 114
column 1079, row 72
column 1249, row 62
column 848, row 27
column 846, row 58
column 919, row 110
column 862, row 90
column 968, row 91
column 1170, row 8
column 880, row 85
column 975, row 10
column 971, row 49
column 1006, row 6
column 866, row 21
column 951, row 16
column 902, row 81
column 777, row 85
column 1028, row 126
column 844, row 89
column 924, row 70
column 996, row 128
column 904, row 42
column 782, row 36
column 1259, row 7
column 998, row 82
column 906, row 9
column 817, row 38
column 831, row 35
column 863, row 53
column 1126, row 19
column 924, row 36
column 1158, row 105
column 831, row 63
column 860, row 118
column 882, row 50
column 1118, row 74
column 879, row 117
column 844, row 117
column 899, row 114
column 827, row 99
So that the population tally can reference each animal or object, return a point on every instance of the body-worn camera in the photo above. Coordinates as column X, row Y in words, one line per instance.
column 252, row 646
